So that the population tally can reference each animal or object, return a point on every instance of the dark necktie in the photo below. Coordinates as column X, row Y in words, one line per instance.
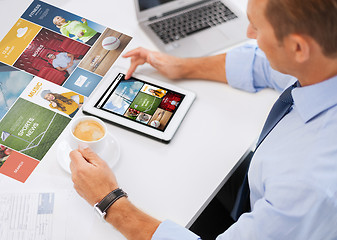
column 281, row 108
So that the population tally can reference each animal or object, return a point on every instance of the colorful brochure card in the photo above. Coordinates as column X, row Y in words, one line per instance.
column 50, row 62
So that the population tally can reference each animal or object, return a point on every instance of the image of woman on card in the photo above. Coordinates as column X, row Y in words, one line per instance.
column 69, row 102
column 157, row 92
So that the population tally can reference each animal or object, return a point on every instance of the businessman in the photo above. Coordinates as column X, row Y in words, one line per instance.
column 292, row 190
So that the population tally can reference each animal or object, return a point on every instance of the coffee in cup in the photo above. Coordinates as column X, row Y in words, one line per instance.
column 88, row 130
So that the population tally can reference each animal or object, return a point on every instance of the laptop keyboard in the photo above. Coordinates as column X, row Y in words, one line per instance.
column 193, row 21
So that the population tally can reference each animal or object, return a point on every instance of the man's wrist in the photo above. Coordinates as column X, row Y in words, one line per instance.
column 209, row 68
column 188, row 67
column 102, row 206
column 128, row 219
column 118, row 209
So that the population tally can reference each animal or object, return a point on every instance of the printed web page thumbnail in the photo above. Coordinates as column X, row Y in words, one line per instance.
column 53, row 97
column 51, row 56
column 50, row 43
column 15, row 164
column 4, row 154
column 82, row 81
column 17, row 40
column 105, row 51
column 31, row 129
column 12, row 83
column 63, row 22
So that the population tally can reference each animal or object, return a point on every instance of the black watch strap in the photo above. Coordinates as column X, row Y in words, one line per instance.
column 109, row 199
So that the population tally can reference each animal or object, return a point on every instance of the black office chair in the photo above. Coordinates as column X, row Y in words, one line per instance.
column 215, row 218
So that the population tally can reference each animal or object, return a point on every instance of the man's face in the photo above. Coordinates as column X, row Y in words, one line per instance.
column 59, row 20
column 261, row 30
column 51, row 56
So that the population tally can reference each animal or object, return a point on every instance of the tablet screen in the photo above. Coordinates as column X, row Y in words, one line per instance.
column 140, row 101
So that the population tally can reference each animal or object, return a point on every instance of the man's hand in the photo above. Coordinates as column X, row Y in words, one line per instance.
column 71, row 60
column 208, row 68
column 92, row 177
column 93, row 180
column 169, row 66
column 70, row 64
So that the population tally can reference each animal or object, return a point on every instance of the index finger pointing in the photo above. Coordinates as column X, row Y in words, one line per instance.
column 131, row 70
column 132, row 53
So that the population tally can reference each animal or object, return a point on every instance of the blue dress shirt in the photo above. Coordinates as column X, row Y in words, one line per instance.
column 293, row 174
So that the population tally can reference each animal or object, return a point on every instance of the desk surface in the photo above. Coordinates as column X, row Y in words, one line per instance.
column 168, row 181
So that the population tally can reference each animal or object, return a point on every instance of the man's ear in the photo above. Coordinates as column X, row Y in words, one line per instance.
column 300, row 47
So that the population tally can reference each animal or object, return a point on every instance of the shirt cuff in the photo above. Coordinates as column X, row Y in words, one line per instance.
column 169, row 230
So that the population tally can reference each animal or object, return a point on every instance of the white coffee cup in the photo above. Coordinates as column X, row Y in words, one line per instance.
column 88, row 130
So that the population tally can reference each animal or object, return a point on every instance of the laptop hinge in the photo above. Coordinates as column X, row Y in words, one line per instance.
column 155, row 17
column 178, row 10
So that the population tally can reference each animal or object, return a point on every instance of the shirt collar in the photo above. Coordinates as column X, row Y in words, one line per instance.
column 315, row 99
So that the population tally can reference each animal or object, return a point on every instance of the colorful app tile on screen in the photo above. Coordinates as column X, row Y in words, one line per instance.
column 123, row 96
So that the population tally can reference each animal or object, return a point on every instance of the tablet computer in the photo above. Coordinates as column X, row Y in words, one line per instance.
column 141, row 103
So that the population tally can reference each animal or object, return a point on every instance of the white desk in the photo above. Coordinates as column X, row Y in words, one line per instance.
column 166, row 180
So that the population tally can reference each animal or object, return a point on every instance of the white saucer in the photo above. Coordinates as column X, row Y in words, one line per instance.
column 110, row 154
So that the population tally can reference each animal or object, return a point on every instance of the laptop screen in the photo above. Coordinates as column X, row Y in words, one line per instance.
column 147, row 4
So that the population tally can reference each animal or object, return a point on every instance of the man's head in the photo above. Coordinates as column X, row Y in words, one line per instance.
column 51, row 56
column 314, row 18
column 59, row 21
column 289, row 36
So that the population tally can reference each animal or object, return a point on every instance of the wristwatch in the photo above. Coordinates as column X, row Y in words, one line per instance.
column 102, row 206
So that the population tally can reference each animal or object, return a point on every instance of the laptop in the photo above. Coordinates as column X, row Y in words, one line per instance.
column 192, row 28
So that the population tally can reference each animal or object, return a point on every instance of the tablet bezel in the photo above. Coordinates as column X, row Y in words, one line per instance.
column 171, row 128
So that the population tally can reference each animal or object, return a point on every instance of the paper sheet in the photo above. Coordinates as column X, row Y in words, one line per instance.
column 25, row 216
